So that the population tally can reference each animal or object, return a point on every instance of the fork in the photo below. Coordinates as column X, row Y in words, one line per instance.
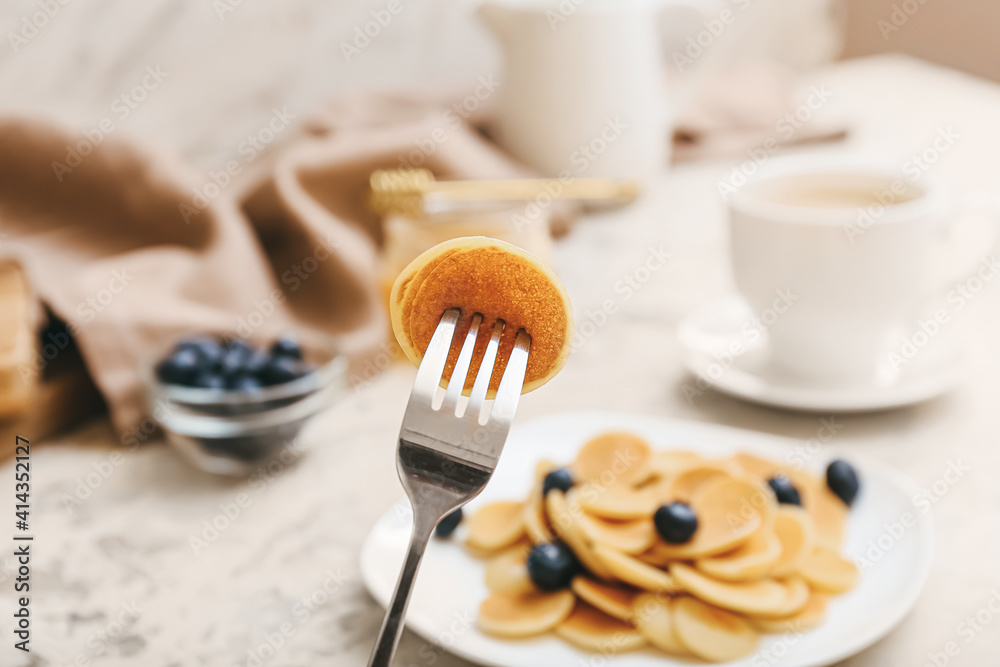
column 448, row 451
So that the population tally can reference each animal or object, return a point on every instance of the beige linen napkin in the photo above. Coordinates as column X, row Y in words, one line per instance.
column 132, row 250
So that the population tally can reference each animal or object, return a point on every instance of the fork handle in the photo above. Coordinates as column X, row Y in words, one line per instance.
column 392, row 625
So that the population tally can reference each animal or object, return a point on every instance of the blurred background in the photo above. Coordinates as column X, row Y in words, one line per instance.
column 228, row 63
column 183, row 169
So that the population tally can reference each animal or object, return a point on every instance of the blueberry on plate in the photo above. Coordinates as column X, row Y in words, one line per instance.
column 286, row 346
column 448, row 524
column 843, row 480
column 785, row 491
column 552, row 566
column 676, row 522
column 282, row 369
column 180, row 367
column 557, row 479
column 209, row 380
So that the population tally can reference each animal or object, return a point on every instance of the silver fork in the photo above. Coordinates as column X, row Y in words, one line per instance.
column 448, row 452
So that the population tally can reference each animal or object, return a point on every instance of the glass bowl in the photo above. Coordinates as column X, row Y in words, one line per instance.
column 234, row 432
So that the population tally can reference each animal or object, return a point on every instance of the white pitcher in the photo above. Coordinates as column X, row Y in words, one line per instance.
column 584, row 88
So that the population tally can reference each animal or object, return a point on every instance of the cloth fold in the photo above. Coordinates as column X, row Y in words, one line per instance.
column 132, row 249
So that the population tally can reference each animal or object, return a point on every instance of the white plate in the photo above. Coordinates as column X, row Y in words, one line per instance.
column 450, row 585
column 707, row 335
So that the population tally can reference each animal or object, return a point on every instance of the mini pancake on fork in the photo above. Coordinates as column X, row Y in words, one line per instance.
column 514, row 312
column 448, row 451
column 489, row 281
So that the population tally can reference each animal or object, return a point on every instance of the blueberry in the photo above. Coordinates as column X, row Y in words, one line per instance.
column 243, row 382
column 286, row 346
column 236, row 344
column 256, row 362
column 552, row 566
column 843, row 480
column 282, row 369
column 448, row 524
column 233, row 361
column 208, row 349
column 209, row 380
column 557, row 479
column 785, row 491
column 180, row 367
column 676, row 522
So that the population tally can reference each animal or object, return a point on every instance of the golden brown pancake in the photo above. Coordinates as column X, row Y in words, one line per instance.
column 616, row 457
column 807, row 618
column 615, row 601
column 525, row 614
column 496, row 279
column 711, row 633
column 592, row 630
column 495, row 526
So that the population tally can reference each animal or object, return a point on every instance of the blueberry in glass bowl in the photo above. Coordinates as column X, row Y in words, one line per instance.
column 231, row 405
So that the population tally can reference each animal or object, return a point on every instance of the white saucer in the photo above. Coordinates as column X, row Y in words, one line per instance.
column 706, row 336
column 450, row 586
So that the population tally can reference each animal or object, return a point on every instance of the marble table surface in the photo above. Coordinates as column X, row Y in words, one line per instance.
column 126, row 572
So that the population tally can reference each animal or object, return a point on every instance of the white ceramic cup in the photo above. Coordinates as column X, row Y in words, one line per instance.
column 845, row 258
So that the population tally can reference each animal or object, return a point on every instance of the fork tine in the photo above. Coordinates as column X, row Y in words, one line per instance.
column 482, row 384
column 436, row 357
column 512, row 381
column 461, row 371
